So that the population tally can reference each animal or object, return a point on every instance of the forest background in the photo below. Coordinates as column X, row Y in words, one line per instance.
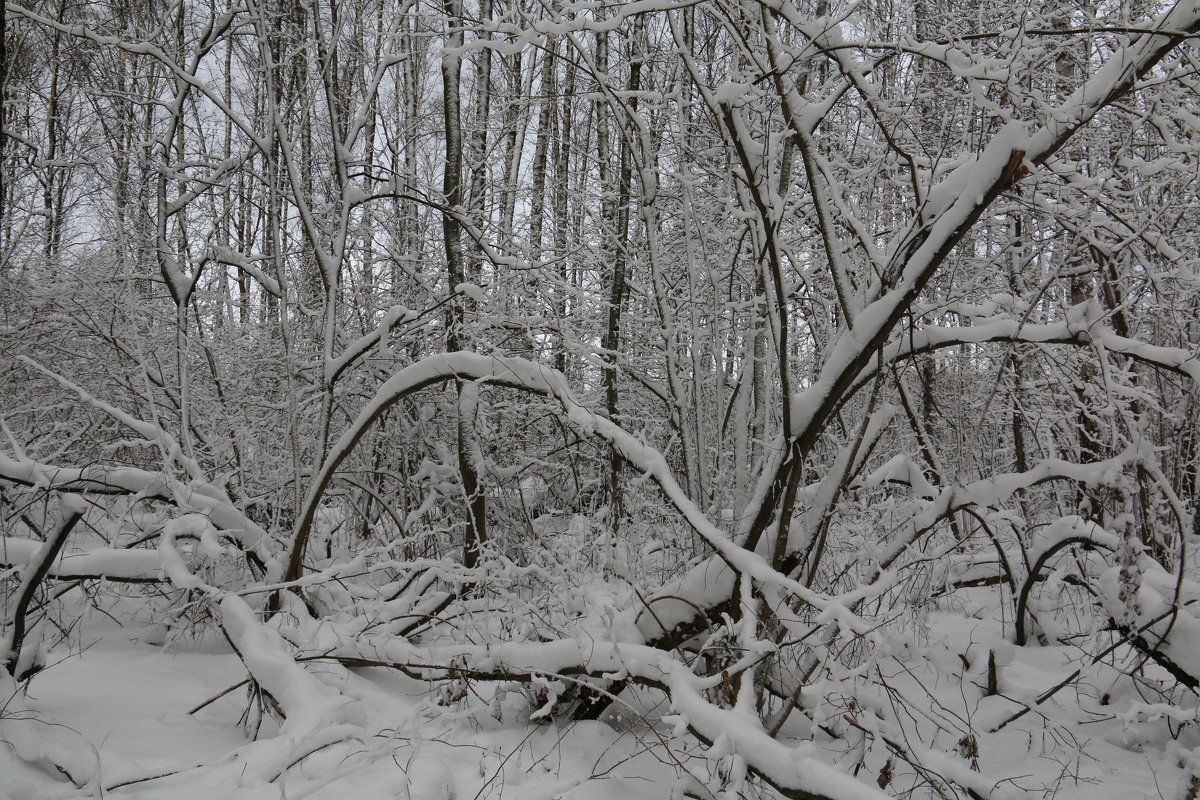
column 804, row 391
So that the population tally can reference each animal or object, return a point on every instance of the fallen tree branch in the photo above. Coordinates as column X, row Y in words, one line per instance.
column 39, row 565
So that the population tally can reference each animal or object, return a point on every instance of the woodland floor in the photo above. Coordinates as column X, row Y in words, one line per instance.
column 128, row 700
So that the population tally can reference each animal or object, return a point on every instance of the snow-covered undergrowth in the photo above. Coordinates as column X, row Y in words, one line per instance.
column 387, row 683
column 531, row 400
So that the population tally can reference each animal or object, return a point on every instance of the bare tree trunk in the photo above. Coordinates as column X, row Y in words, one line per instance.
column 457, row 335
column 537, row 200
column 562, row 220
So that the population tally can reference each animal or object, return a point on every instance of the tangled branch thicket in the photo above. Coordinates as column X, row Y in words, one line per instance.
column 565, row 355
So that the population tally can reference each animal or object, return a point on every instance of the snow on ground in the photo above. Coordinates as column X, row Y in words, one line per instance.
column 129, row 700
column 1075, row 747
